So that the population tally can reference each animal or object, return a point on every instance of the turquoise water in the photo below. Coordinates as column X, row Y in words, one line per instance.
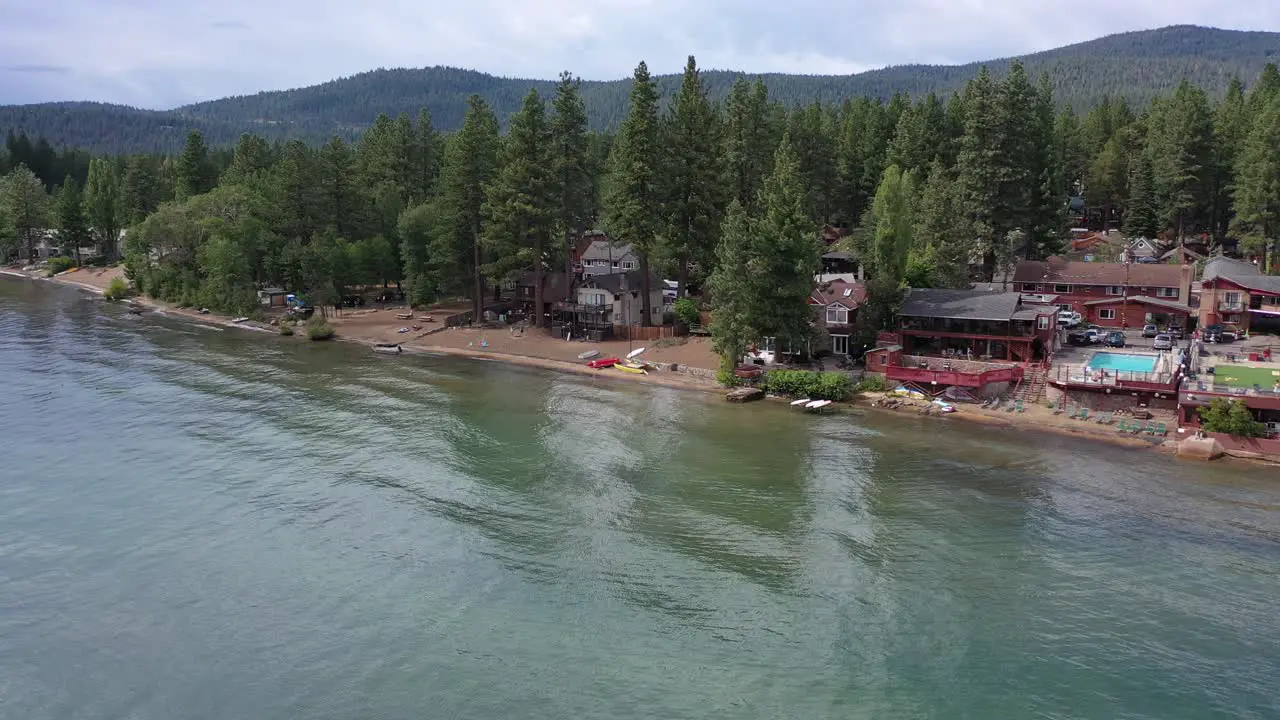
column 201, row 524
column 1123, row 362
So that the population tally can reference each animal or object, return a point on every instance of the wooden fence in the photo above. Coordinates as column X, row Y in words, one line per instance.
column 639, row 332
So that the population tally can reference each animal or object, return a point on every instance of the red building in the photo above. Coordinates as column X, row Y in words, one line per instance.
column 976, row 325
column 1237, row 293
column 1113, row 294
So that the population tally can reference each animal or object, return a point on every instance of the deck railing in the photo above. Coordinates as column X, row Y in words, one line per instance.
column 1084, row 375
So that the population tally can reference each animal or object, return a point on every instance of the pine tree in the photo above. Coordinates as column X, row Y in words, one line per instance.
column 250, row 163
column 26, row 207
column 748, row 144
column 813, row 137
column 982, row 166
column 693, row 176
column 102, row 203
column 141, row 190
column 1264, row 90
column 194, row 173
column 1257, row 191
column 384, row 155
column 571, row 170
column 1142, row 217
column 940, row 229
column 341, row 201
column 73, row 228
column 1230, row 128
column 519, row 214
column 735, row 304
column 293, row 191
column 1179, row 148
column 420, row 240
column 427, row 148
column 632, row 198
column 789, row 252
column 470, row 162
column 1106, row 185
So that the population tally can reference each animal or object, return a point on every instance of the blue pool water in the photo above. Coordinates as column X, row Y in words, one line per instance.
column 1123, row 362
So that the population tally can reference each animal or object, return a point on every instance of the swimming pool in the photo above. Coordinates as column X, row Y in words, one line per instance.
column 1122, row 362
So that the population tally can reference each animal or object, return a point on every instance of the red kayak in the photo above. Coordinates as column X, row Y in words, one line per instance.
column 603, row 363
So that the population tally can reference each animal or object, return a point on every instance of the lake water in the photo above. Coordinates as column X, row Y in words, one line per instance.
column 206, row 524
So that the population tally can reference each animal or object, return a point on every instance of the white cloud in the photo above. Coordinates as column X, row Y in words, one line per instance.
column 156, row 53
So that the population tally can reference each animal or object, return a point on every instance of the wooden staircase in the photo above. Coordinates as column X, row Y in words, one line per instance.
column 1031, row 389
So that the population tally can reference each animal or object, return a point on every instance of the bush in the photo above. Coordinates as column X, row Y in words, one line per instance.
column 319, row 329
column 97, row 261
column 807, row 384
column 870, row 383
column 117, row 289
column 60, row 264
column 727, row 378
column 1231, row 417
column 686, row 311
column 286, row 328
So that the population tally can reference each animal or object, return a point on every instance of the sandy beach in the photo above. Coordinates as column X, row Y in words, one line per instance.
column 536, row 348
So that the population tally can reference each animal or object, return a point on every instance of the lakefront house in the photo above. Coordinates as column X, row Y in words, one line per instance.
column 1115, row 295
column 1237, row 293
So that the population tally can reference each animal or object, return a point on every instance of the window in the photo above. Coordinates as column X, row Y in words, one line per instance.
column 1107, row 314
column 840, row 344
column 1042, row 322
column 628, row 265
column 837, row 315
column 1062, row 288
column 1232, row 299
column 1029, row 287
column 1115, row 290
column 1065, row 306
column 1167, row 292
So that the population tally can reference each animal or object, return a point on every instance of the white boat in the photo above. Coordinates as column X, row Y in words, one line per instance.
column 635, row 353
column 589, row 355
column 804, row 401
column 817, row 405
column 390, row 348
column 239, row 320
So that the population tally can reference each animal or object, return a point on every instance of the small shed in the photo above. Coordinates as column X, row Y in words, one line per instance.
column 272, row 297
column 883, row 357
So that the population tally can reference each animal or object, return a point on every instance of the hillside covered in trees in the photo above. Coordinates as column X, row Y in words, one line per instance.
column 1135, row 67
column 731, row 196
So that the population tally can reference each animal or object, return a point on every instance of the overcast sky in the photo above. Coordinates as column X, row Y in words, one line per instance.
column 164, row 53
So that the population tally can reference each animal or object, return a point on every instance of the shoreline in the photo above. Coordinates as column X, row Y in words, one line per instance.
column 672, row 380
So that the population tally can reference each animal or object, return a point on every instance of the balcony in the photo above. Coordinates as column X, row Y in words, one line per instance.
column 1231, row 307
column 1204, row 390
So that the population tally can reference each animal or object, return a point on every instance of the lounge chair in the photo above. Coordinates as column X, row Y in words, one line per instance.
column 1150, row 429
column 1021, row 407
column 1162, row 429
column 1137, row 428
column 1123, row 427
column 1105, row 418
column 1074, row 413
column 1012, row 407
column 1084, row 414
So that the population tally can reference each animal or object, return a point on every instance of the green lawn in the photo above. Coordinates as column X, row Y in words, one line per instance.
column 1243, row 376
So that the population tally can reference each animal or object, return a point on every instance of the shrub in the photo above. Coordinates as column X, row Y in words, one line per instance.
column 725, row 375
column 686, row 311
column 97, row 261
column 117, row 289
column 286, row 328
column 319, row 329
column 870, row 383
column 1231, row 417
column 60, row 264
column 813, row 385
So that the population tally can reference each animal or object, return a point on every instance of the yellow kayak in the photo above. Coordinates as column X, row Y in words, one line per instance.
column 631, row 369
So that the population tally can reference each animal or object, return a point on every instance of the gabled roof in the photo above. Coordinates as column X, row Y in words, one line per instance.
column 961, row 304
column 1144, row 300
column 606, row 250
column 1245, row 274
column 1056, row 270
column 850, row 295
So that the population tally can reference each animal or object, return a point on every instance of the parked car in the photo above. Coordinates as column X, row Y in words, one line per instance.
column 1218, row 334
column 1069, row 318
column 1176, row 332
column 1095, row 336
column 1078, row 339
column 1163, row 341
column 1150, row 331
column 1115, row 339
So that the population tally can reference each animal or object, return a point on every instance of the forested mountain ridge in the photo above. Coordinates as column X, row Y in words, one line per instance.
column 1135, row 66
